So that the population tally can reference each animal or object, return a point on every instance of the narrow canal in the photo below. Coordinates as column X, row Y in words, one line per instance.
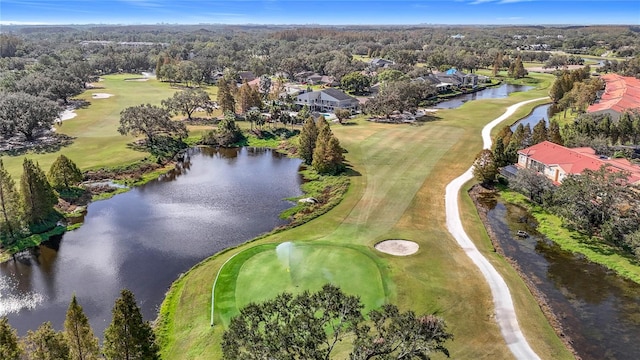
column 599, row 311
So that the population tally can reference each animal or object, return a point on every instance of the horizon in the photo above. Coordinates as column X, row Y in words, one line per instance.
column 314, row 12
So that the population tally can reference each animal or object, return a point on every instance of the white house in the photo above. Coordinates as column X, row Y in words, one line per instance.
column 327, row 100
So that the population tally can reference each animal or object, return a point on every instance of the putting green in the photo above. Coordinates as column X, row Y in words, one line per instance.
column 262, row 272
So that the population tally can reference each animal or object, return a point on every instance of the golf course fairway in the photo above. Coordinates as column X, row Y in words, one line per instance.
column 398, row 177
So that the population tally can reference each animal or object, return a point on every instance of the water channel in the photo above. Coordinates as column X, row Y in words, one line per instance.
column 144, row 239
column 496, row 92
column 538, row 113
column 599, row 311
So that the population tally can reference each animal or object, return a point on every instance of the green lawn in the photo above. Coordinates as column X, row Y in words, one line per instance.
column 264, row 271
column 397, row 192
column 97, row 142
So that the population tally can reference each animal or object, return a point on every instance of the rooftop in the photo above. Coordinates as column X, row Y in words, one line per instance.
column 576, row 160
column 621, row 93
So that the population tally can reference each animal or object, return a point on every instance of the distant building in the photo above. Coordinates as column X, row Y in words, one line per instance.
column 327, row 100
column 621, row 93
column 380, row 63
column 246, row 76
column 556, row 162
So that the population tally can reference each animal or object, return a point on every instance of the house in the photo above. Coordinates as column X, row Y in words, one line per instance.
column 327, row 100
column 556, row 162
column 621, row 93
column 246, row 76
column 380, row 63
column 457, row 78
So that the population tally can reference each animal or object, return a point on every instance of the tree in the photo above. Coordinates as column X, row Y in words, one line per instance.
column 128, row 337
column 308, row 137
column 264, row 86
column 342, row 114
column 517, row 69
column 151, row 121
column 497, row 64
column 46, row 344
column 355, row 82
column 186, row 102
column 533, row 185
column 310, row 325
column 225, row 96
column 83, row 345
column 391, row 75
column 64, row 173
column 26, row 114
column 327, row 154
column 226, row 134
column 484, row 167
column 539, row 133
column 253, row 116
column 396, row 335
column 554, row 133
column 10, row 208
column 9, row 347
column 38, row 197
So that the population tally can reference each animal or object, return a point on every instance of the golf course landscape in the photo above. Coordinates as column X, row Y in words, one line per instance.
column 398, row 174
column 398, row 178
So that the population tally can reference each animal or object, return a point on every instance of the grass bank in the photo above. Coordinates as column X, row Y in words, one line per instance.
column 396, row 191
column 593, row 249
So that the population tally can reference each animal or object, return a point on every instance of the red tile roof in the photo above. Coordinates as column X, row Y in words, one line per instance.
column 621, row 93
column 575, row 161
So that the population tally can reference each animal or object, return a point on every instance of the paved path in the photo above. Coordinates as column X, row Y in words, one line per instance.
column 505, row 312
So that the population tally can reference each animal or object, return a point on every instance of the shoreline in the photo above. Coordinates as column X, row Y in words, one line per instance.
column 474, row 192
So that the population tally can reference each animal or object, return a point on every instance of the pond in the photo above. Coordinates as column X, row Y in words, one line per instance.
column 501, row 91
column 538, row 113
column 144, row 239
column 599, row 311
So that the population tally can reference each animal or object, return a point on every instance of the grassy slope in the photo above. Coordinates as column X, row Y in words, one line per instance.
column 399, row 194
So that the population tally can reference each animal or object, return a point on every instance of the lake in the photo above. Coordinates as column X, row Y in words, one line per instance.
column 144, row 239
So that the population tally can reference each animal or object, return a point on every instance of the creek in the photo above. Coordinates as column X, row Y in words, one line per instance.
column 144, row 239
column 598, row 310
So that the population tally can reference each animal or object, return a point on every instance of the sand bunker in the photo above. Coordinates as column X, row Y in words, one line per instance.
column 137, row 79
column 66, row 115
column 397, row 247
column 101, row 96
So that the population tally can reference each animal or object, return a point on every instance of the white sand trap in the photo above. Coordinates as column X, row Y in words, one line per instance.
column 66, row 115
column 138, row 79
column 101, row 96
column 397, row 247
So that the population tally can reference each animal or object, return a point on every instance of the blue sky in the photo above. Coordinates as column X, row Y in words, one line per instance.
column 327, row 12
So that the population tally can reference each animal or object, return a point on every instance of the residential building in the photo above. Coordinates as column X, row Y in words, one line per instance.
column 380, row 63
column 621, row 93
column 556, row 162
column 327, row 100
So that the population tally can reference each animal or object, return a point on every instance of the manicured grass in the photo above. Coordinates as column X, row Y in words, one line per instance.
column 262, row 272
column 595, row 250
column 396, row 192
column 97, row 142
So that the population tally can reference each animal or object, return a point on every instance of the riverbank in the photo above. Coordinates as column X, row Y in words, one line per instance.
column 479, row 195
column 595, row 250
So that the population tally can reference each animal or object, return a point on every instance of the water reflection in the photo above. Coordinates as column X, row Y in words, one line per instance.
column 497, row 92
column 538, row 113
column 143, row 239
column 599, row 310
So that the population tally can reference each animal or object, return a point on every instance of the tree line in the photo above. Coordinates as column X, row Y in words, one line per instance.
column 31, row 210
column 127, row 337
column 310, row 325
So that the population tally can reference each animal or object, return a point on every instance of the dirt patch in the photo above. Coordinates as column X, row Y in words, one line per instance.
column 101, row 96
column 397, row 247
column 478, row 192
